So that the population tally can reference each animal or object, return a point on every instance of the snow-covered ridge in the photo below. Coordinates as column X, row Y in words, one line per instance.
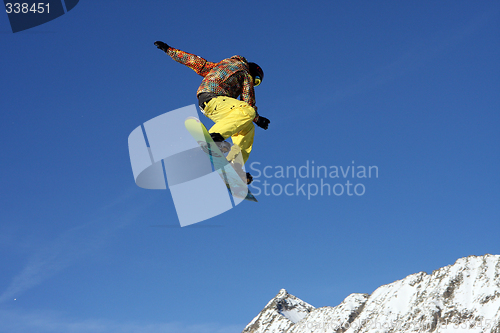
column 463, row 297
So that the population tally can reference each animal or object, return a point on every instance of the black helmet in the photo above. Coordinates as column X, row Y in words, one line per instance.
column 256, row 72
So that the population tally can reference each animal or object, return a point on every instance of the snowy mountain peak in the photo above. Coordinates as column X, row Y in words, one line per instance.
column 280, row 313
column 282, row 294
column 463, row 297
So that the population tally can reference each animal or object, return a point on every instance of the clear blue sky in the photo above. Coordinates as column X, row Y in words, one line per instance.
column 409, row 87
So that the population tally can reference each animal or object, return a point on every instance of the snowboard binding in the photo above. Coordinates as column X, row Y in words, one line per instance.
column 223, row 146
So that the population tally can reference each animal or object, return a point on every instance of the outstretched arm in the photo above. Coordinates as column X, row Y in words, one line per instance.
column 198, row 64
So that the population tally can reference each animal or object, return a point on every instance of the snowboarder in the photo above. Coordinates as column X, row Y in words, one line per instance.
column 223, row 83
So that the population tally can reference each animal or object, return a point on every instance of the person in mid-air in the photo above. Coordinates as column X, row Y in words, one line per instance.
column 223, row 82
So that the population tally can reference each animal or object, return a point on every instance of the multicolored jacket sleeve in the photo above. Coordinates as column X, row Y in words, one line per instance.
column 248, row 92
column 198, row 64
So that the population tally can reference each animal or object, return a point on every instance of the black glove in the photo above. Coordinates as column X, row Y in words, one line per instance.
column 162, row 46
column 262, row 122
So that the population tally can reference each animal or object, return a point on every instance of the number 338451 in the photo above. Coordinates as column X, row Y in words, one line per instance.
column 36, row 8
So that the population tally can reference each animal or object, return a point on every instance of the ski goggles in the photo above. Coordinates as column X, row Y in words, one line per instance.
column 257, row 81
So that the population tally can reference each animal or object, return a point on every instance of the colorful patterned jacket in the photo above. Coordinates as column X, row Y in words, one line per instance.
column 229, row 77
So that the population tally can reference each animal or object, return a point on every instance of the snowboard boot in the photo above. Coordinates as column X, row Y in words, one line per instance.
column 249, row 178
column 216, row 137
column 224, row 146
column 245, row 176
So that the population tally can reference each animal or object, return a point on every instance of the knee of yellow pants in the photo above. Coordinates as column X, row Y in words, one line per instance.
column 230, row 115
column 244, row 139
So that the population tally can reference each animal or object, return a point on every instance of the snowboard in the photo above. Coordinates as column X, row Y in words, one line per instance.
column 233, row 181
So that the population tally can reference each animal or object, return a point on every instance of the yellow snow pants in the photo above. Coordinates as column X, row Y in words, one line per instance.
column 233, row 118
